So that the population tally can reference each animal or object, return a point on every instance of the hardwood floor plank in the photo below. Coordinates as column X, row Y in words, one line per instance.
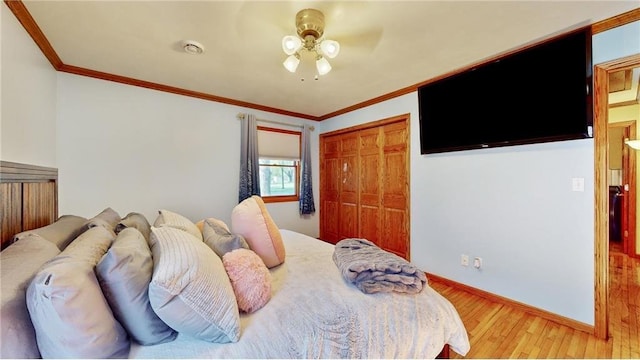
column 551, row 332
column 502, row 331
column 581, row 344
column 557, row 342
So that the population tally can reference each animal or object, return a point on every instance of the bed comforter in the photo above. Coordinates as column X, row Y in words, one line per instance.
column 314, row 313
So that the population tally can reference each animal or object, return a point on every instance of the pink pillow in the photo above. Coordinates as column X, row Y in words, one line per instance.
column 250, row 279
column 251, row 219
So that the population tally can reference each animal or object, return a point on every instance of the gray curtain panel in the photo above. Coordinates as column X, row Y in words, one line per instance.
column 249, row 168
column 306, row 190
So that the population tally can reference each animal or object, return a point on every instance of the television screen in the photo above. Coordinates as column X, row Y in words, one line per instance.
column 539, row 94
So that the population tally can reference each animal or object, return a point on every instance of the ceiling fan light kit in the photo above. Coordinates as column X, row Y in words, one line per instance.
column 291, row 63
column 310, row 28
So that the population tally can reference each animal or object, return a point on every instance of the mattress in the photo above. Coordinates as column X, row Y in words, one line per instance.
column 314, row 313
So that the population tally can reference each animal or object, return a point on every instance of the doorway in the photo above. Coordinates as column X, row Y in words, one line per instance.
column 600, row 122
column 621, row 180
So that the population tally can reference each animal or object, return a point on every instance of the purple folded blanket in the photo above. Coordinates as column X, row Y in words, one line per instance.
column 374, row 270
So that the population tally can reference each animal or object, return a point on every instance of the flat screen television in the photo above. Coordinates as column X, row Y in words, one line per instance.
column 539, row 94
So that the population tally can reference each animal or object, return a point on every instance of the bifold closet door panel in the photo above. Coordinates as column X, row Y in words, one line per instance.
column 349, row 189
column 370, row 209
column 395, row 185
column 330, row 178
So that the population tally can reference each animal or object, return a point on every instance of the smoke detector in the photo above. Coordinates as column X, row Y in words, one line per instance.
column 192, row 47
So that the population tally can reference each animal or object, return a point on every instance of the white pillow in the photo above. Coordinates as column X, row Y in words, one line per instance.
column 177, row 221
column 190, row 290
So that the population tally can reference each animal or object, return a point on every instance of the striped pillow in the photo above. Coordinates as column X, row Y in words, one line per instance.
column 177, row 221
column 190, row 290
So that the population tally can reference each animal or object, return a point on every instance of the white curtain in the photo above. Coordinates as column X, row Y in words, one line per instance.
column 249, row 167
column 306, row 190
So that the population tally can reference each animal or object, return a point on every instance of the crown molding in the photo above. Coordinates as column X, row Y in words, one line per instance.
column 24, row 17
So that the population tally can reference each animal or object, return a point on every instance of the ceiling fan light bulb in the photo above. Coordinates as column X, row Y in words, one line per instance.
column 291, row 63
column 330, row 48
column 323, row 66
column 291, row 44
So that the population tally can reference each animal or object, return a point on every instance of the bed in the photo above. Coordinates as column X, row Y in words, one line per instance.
column 313, row 312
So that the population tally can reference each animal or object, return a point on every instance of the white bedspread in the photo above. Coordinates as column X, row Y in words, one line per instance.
column 314, row 313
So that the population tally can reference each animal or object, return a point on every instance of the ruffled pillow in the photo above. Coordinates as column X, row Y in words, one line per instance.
column 250, row 279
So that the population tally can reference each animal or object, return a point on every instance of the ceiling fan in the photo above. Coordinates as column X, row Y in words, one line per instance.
column 309, row 28
column 354, row 25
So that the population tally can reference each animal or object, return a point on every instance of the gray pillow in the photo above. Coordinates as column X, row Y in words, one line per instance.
column 108, row 218
column 190, row 290
column 220, row 240
column 61, row 232
column 68, row 310
column 124, row 274
column 19, row 262
column 135, row 220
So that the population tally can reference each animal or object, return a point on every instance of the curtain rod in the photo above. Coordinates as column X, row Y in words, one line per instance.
column 241, row 116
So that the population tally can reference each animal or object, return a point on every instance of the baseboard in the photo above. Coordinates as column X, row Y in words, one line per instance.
column 574, row 324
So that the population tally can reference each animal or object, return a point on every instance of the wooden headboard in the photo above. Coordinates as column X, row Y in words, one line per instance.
column 29, row 196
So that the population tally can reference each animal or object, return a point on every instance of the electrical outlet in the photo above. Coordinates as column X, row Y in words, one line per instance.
column 464, row 260
column 477, row 263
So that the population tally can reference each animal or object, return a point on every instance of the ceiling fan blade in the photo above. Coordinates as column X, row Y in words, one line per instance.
column 366, row 40
column 264, row 19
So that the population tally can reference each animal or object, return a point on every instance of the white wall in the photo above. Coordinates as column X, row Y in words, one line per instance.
column 512, row 206
column 28, row 111
column 616, row 43
column 136, row 149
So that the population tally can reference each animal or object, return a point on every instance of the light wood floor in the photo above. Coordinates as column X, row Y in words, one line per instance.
column 499, row 331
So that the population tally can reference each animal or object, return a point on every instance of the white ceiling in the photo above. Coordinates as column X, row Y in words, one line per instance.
column 385, row 45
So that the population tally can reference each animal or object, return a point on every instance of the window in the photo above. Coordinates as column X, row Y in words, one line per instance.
column 279, row 153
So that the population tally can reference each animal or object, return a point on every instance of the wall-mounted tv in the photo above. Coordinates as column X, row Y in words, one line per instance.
column 539, row 94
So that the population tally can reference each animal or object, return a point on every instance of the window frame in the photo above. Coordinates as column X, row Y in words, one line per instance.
column 283, row 198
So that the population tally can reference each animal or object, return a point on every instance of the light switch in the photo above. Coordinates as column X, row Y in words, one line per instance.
column 577, row 184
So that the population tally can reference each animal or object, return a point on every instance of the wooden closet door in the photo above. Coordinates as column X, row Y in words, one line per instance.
column 364, row 185
column 330, row 178
column 395, row 190
column 348, row 218
column 370, row 208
